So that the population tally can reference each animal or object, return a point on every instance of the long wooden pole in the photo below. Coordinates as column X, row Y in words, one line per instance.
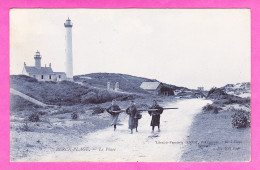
column 143, row 110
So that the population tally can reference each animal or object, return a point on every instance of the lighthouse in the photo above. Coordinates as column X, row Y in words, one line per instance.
column 69, row 60
column 37, row 58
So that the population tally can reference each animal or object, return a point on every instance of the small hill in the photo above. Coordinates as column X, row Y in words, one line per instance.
column 217, row 93
column 222, row 98
column 88, row 88
column 239, row 89
column 126, row 82
column 63, row 93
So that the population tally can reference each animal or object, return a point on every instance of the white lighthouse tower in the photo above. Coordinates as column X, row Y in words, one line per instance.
column 69, row 61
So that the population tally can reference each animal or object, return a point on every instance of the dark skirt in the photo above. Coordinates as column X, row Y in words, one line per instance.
column 155, row 120
column 132, row 123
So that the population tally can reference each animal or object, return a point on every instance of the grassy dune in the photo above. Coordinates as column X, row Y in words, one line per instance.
column 221, row 132
column 213, row 139
column 65, row 92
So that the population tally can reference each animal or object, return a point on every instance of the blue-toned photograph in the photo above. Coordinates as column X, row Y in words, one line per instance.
column 130, row 85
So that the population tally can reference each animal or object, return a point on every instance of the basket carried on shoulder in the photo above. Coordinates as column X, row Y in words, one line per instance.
column 138, row 116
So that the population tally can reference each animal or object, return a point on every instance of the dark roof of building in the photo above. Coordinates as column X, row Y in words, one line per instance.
column 150, row 85
column 42, row 70
column 59, row 72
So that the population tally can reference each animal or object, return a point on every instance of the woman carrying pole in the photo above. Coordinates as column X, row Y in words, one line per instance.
column 133, row 119
column 155, row 115
column 114, row 111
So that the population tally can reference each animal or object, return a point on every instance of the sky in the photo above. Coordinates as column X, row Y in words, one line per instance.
column 183, row 47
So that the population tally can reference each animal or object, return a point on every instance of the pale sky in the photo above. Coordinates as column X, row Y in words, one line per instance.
column 183, row 47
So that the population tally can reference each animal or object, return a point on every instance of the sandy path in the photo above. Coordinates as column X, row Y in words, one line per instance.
column 109, row 146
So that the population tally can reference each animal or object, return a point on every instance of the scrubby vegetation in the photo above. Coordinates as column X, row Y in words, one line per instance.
column 241, row 119
column 34, row 117
column 98, row 110
column 42, row 113
column 60, row 93
column 101, row 96
column 210, row 107
column 63, row 93
column 126, row 82
column 17, row 103
column 220, row 96
column 74, row 116
column 24, row 127
column 216, row 93
column 237, row 100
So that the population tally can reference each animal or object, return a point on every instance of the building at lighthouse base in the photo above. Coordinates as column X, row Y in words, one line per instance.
column 42, row 73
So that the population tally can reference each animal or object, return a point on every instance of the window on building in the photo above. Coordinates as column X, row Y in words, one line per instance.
column 50, row 77
column 42, row 76
column 33, row 76
column 59, row 76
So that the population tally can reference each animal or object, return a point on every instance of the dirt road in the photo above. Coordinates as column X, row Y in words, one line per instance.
column 143, row 146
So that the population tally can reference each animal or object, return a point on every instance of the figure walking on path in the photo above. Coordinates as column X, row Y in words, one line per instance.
column 155, row 115
column 133, row 120
column 114, row 111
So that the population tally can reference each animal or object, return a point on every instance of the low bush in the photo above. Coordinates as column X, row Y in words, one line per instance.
column 125, row 98
column 102, row 96
column 216, row 93
column 97, row 110
column 217, row 102
column 33, row 117
column 25, row 127
column 215, row 110
column 90, row 97
column 105, row 95
column 210, row 107
column 74, row 116
column 241, row 119
column 237, row 100
column 42, row 113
